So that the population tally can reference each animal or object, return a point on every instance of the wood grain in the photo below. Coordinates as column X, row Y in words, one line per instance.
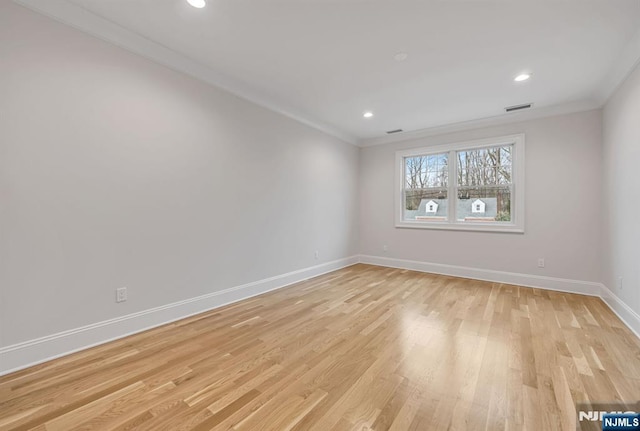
column 363, row 348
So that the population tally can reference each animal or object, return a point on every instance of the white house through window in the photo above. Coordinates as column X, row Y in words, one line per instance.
column 477, row 206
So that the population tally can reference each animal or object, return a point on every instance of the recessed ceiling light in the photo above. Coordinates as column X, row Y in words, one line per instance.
column 522, row 77
column 401, row 56
column 197, row 3
column 368, row 114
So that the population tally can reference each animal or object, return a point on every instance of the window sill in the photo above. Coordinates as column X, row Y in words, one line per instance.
column 504, row 228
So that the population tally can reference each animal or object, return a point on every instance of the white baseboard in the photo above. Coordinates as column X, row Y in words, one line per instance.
column 33, row 352
column 622, row 310
column 629, row 317
column 549, row 283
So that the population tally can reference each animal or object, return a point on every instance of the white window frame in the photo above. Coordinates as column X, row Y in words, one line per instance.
column 516, row 225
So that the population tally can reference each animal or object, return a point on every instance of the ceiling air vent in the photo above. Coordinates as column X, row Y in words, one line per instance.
column 518, row 107
column 390, row 132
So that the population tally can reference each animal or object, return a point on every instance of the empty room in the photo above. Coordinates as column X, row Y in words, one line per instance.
column 321, row 215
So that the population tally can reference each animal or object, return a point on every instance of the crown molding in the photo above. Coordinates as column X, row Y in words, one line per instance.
column 513, row 117
column 620, row 70
column 87, row 22
column 108, row 31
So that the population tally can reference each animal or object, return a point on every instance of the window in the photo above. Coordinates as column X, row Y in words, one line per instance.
column 475, row 185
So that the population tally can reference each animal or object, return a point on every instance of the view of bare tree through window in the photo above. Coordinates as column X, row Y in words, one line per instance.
column 485, row 174
column 426, row 177
column 482, row 186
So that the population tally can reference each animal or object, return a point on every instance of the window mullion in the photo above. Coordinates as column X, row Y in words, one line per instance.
column 452, row 186
column 513, row 197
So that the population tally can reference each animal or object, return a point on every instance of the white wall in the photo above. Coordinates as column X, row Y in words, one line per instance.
column 116, row 171
column 621, row 197
column 563, row 184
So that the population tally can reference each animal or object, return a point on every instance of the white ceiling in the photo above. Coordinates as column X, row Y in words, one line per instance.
column 327, row 61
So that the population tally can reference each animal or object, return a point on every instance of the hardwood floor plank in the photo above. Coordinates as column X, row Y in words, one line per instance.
column 363, row 348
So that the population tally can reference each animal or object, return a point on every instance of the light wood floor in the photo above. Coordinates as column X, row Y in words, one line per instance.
column 361, row 348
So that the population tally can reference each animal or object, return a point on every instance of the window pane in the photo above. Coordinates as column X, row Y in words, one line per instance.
column 486, row 166
column 484, row 204
column 425, row 205
column 505, row 155
column 426, row 171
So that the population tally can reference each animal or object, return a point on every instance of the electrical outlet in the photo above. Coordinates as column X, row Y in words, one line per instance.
column 541, row 262
column 385, row 248
column 121, row 294
column 316, row 254
column 619, row 283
